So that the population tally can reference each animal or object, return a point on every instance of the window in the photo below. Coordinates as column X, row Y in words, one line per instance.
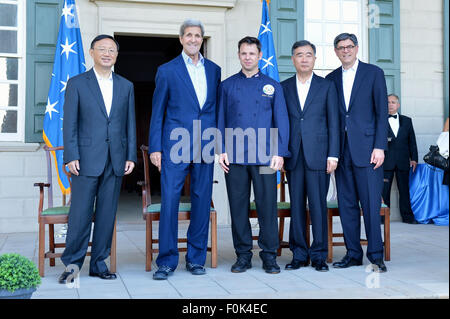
column 324, row 20
column 12, row 78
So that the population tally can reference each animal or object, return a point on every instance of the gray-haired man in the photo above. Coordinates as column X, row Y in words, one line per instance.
column 186, row 90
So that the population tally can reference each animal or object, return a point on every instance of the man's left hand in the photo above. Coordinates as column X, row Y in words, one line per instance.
column 331, row 166
column 129, row 166
column 413, row 164
column 377, row 157
column 276, row 163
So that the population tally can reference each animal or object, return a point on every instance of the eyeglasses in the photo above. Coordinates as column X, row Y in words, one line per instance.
column 348, row 48
column 105, row 50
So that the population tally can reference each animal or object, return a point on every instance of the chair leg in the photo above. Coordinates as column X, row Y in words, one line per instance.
column 148, row 243
column 41, row 249
column 387, row 235
column 330, row 235
column 213, row 239
column 51, row 242
column 280, row 235
column 113, row 257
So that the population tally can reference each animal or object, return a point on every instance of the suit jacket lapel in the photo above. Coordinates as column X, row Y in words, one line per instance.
column 340, row 90
column 186, row 79
column 311, row 93
column 293, row 96
column 209, row 80
column 96, row 92
column 116, row 93
column 360, row 73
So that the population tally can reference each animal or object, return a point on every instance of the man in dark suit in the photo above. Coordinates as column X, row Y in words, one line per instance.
column 314, row 146
column 359, row 177
column 99, row 148
column 399, row 157
column 184, row 104
column 250, row 102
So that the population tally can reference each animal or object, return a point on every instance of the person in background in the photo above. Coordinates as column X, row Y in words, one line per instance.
column 445, row 181
column 399, row 157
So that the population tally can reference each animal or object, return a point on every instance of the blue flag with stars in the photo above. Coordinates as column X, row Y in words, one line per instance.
column 69, row 61
column 268, row 63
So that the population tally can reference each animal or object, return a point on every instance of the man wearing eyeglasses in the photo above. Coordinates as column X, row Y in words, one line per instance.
column 363, row 112
column 99, row 148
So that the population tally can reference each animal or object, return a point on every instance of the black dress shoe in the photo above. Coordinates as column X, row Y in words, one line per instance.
column 241, row 265
column 411, row 221
column 379, row 266
column 163, row 273
column 296, row 264
column 195, row 269
column 346, row 262
column 271, row 266
column 320, row 265
column 103, row 275
column 64, row 276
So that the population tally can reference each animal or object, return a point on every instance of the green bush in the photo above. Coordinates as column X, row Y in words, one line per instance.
column 18, row 272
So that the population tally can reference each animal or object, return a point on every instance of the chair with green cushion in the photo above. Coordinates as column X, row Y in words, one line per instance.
column 333, row 210
column 151, row 213
column 53, row 215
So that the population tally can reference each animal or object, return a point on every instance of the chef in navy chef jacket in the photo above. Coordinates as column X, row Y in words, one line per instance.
column 251, row 105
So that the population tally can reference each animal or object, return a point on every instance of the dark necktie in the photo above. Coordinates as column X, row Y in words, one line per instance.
column 394, row 116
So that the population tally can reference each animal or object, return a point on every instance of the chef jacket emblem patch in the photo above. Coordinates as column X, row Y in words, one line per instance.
column 268, row 90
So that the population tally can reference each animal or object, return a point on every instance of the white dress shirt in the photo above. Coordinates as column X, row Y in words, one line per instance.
column 302, row 90
column 197, row 74
column 394, row 123
column 106, row 87
column 348, row 78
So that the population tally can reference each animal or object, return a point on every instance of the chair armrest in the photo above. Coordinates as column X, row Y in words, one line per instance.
column 41, row 184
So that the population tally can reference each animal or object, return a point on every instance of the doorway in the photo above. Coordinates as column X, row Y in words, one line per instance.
column 138, row 61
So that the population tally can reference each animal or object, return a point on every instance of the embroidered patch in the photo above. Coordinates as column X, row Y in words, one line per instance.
column 268, row 89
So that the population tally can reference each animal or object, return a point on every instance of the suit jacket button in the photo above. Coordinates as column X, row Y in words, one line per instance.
column 107, row 140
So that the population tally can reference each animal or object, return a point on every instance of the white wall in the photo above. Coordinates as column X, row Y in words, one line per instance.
column 422, row 67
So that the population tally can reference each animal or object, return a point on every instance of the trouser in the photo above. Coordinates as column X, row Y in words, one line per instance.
column 172, row 181
column 359, row 185
column 238, row 181
column 305, row 183
column 104, row 191
column 403, row 190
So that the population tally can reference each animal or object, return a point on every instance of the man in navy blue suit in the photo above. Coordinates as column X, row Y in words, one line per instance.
column 184, row 102
column 363, row 112
column 251, row 108
column 314, row 146
column 99, row 148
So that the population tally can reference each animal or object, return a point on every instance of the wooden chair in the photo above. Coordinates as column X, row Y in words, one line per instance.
column 333, row 210
column 57, row 215
column 151, row 213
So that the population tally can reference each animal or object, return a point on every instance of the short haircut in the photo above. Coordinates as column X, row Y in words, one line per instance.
column 191, row 23
column 394, row 95
column 303, row 43
column 249, row 40
column 104, row 36
column 345, row 36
